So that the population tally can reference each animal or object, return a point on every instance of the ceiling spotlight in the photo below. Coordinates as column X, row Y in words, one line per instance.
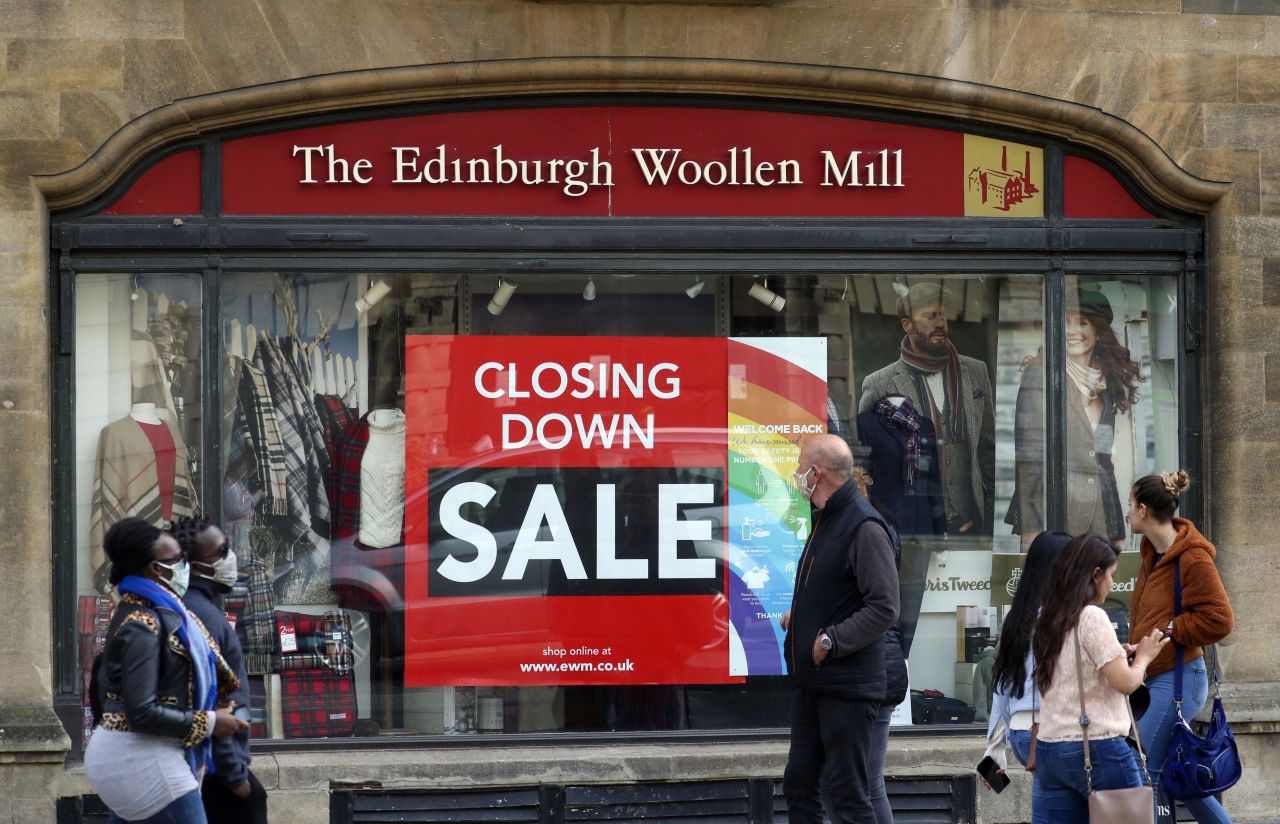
column 589, row 291
column 696, row 289
column 501, row 295
column 372, row 295
column 762, row 292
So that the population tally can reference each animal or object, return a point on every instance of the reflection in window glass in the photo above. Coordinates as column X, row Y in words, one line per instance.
column 138, row 421
column 921, row 374
column 924, row 376
column 1122, row 414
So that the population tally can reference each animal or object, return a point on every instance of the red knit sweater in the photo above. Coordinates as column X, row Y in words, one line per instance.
column 1206, row 613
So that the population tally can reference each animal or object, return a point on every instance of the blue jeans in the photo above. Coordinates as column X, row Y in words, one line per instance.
column 1157, row 724
column 1059, row 792
column 1020, row 743
column 189, row 809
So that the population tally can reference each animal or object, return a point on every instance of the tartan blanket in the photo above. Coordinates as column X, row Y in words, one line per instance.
column 317, row 703
column 316, row 680
column 318, row 641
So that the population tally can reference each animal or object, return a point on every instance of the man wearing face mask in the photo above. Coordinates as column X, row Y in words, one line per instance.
column 845, row 599
column 232, row 793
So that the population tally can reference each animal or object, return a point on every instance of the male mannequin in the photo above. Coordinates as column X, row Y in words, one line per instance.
column 954, row 392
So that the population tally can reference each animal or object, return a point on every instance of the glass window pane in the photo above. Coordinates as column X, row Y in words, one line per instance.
column 940, row 366
column 320, row 388
column 1121, row 406
column 138, row 421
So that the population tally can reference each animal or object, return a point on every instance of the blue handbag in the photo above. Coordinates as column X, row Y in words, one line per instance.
column 1198, row 767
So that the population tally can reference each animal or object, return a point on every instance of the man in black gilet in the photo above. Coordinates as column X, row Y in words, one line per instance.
column 846, row 598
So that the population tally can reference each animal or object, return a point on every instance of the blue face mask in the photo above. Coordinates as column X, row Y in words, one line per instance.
column 179, row 575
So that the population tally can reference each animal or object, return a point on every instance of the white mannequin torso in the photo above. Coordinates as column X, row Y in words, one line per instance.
column 145, row 413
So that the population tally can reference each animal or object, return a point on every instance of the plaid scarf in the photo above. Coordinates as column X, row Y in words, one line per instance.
column 260, row 418
column 291, row 374
column 335, row 416
column 252, row 602
column 304, row 511
column 344, row 485
column 949, row 365
column 349, row 563
column 907, row 420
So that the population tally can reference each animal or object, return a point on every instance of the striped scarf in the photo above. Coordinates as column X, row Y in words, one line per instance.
column 949, row 365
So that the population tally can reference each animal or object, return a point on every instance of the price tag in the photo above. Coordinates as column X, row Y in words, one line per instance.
column 288, row 639
column 231, row 619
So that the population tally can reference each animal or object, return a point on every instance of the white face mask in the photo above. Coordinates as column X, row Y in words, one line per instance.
column 802, row 484
column 225, row 569
column 180, row 576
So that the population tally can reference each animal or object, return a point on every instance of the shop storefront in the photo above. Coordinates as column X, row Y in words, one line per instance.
column 499, row 397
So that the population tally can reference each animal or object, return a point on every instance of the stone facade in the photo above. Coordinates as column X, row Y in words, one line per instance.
column 1201, row 81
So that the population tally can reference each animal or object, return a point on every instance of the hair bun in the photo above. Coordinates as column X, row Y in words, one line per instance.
column 1176, row 482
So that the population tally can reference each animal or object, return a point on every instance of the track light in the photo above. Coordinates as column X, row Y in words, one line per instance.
column 696, row 289
column 372, row 295
column 589, row 291
column 501, row 295
column 762, row 292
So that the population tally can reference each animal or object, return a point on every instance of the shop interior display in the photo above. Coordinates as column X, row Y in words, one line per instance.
column 313, row 469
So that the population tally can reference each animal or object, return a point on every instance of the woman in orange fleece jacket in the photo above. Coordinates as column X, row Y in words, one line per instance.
column 1206, row 615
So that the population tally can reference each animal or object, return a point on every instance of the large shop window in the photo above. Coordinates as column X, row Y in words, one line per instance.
column 466, row 508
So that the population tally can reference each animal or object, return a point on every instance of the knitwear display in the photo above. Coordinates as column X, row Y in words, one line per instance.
column 382, row 480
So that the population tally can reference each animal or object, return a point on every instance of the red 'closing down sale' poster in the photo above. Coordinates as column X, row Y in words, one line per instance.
column 565, row 511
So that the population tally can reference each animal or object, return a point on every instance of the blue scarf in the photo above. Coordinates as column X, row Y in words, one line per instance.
column 204, row 661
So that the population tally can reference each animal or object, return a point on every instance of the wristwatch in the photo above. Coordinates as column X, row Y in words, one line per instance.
column 825, row 642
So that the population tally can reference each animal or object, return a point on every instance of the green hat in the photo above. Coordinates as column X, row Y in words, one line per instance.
column 1091, row 302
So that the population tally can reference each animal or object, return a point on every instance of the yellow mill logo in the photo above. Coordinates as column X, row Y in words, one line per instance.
column 1002, row 179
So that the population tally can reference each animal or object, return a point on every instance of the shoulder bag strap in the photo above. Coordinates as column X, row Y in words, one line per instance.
column 1084, row 716
column 1177, row 648
column 1084, row 723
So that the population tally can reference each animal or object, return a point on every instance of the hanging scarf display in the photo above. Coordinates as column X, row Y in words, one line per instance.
column 204, row 661
column 949, row 365
column 907, row 420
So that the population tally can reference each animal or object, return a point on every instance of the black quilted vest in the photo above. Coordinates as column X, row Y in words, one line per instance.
column 826, row 593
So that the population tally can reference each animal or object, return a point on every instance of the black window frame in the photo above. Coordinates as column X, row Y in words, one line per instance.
column 208, row 245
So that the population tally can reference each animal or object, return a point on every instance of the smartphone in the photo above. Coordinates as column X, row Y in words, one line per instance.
column 990, row 770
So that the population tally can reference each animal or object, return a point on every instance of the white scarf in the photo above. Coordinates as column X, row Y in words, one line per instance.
column 1088, row 381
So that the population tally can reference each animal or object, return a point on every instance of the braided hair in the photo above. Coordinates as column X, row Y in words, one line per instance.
column 186, row 531
column 130, row 545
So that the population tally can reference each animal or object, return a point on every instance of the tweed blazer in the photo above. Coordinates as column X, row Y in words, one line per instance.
column 980, row 419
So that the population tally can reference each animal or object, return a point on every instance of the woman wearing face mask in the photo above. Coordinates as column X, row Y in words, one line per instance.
column 232, row 793
column 159, row 690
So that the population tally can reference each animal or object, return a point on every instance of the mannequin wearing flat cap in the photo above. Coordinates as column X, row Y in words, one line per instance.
column 1101, row 384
